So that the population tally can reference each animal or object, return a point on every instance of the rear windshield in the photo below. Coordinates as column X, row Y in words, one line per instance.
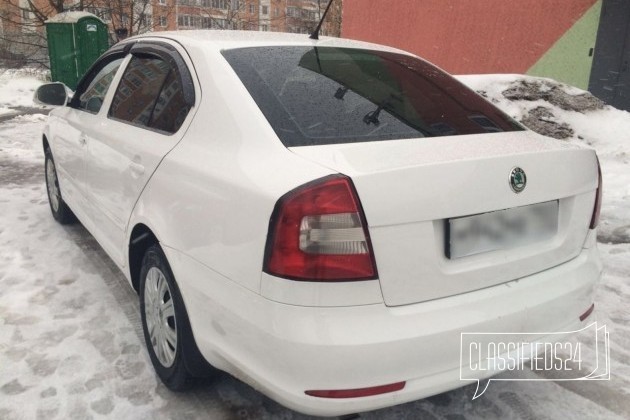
column 326, row 95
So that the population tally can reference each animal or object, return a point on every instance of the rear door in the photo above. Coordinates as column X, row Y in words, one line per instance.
column 147, row 117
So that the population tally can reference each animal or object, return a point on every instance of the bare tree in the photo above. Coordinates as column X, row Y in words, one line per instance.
column 332, row 23
column 238, row 15
column 219, row 14
column 132, row 17
column 23, row 39
column 304, row 15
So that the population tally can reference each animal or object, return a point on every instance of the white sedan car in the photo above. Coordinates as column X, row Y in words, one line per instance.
column 322, row 219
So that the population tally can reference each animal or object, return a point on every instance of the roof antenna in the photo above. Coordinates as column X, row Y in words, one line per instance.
column 315, row 34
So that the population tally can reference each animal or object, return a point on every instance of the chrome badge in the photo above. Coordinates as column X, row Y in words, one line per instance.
column 518, row 180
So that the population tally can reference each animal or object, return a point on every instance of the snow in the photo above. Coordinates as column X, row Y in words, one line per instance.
column 17, row 89
column 607, row 130
column 70, row 17
column 70, row 338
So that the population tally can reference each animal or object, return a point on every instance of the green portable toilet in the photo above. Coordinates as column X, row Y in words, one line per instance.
column 75, row 41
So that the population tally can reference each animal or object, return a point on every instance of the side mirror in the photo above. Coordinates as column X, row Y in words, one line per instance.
column 51, row 94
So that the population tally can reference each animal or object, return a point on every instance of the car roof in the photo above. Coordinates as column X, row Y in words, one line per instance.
column 224, row 39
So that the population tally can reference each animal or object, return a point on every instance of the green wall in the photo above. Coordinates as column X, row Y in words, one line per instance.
column 568, row 59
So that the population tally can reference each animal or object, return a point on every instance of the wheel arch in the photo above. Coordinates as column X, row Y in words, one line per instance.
column 141, row 238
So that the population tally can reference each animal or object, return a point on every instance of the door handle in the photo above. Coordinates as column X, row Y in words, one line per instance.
column 82, row 140
column 136, row 169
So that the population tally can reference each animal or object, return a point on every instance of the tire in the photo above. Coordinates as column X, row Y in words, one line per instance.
column 60, row 210
column 167, row 332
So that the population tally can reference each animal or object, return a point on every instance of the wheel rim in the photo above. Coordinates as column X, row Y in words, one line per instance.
column 160, row 316
column 53, row 187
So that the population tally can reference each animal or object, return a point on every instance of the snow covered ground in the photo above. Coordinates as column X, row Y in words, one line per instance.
column 70, row 339
column 16, row 89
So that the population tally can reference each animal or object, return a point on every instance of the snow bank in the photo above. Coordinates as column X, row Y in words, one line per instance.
column 575, row 116
column 17, row 88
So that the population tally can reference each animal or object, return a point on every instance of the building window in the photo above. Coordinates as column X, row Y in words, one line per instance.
column 264, row 28
column 221, row 24
column 220, row 4
column 163, row 22
column 184, row 20
column 265, row 10
column 162, row 2
column 252, row 9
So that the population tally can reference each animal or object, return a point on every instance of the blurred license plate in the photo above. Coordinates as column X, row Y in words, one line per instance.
column 501, row 229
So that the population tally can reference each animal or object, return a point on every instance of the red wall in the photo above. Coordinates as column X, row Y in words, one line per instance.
column 465, row 36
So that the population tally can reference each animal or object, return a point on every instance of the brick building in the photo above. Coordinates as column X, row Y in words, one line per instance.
column 22, row 29
column 139, row 16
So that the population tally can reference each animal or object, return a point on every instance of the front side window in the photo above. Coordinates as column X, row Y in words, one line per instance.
column 150, row 95
column 91, row 99
column 325, row 95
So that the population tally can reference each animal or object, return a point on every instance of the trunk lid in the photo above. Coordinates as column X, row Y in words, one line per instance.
column 410, row 188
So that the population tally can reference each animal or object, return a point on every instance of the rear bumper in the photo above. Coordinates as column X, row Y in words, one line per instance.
column 284, row 350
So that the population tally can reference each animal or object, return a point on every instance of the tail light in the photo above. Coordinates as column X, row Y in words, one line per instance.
column 358, row 392
column 588, row 312
column 318, row 232
column 598, row 198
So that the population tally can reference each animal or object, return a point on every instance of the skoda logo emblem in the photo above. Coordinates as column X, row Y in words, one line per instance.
column 518, row 180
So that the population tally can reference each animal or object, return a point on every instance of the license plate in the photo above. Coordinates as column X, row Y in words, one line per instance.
column 503, row 229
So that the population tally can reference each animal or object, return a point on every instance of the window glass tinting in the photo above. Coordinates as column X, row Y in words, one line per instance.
column 324, row 95
column 150, row 94
column 170, row 109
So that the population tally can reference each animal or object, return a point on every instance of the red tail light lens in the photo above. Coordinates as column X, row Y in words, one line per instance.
column 588, row 312
column 356, row 393
column 598, row 199
column 318, row 232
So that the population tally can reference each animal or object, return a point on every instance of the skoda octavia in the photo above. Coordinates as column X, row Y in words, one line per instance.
column 322, row 219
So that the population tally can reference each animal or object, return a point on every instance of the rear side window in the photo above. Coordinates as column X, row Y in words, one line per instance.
column 326, row 95
column 150, row 95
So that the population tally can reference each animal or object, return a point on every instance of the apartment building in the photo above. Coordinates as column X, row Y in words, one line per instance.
column 22, row 22
column 298, row 16
column 130, row 17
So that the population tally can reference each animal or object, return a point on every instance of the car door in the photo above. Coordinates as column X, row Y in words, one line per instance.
column 70, row 127
column 149, row 111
